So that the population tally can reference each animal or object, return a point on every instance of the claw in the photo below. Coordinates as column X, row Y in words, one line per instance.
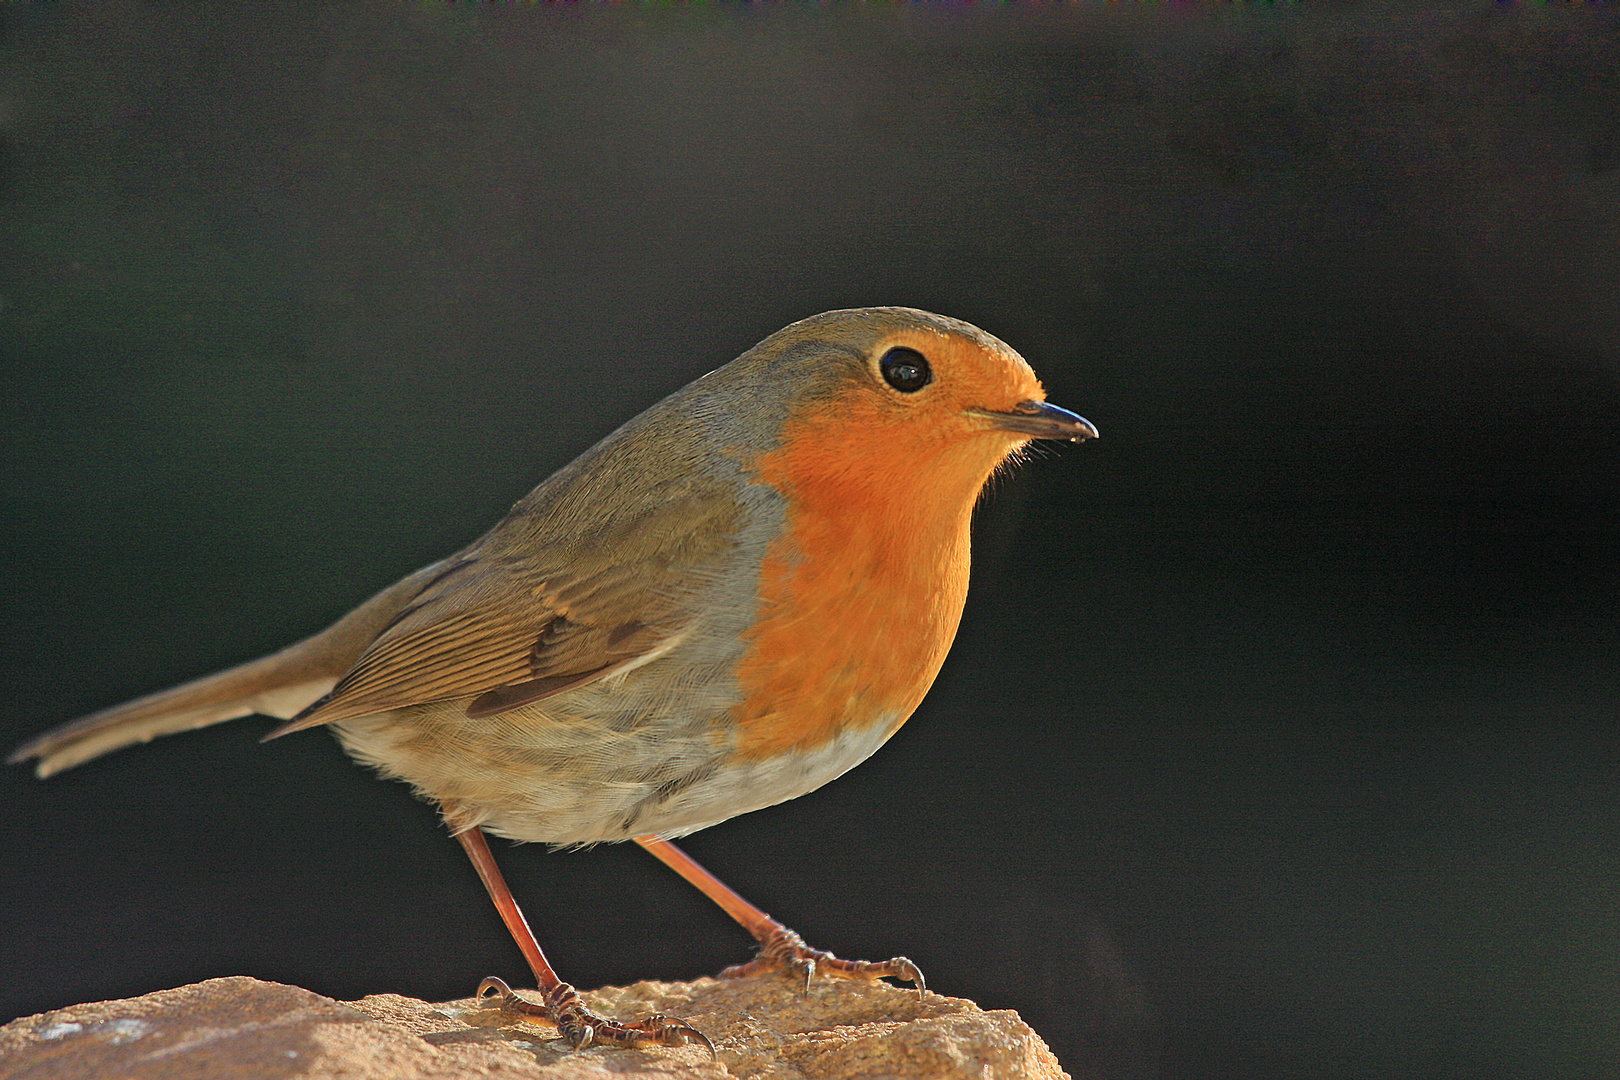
column 581, row 1028
column 912, row 974
column 666, row 1031
column 784, row 950
column 492, row 984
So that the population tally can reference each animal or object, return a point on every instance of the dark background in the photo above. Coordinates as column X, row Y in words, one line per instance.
column 1279, row 739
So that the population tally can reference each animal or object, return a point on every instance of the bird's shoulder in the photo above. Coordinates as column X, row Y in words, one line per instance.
column 598, row 569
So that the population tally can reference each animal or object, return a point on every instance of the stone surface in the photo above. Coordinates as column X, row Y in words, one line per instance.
column 241, row 1028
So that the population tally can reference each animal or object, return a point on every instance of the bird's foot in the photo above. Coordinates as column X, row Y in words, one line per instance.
column 784, row 950
column 581, row 1028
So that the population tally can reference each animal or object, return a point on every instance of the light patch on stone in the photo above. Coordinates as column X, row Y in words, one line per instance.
column 128, row 1030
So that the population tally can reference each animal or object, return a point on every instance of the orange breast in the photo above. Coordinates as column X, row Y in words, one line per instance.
column 861, row 596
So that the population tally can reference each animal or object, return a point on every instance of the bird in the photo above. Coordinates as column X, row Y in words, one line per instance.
column 727, row 602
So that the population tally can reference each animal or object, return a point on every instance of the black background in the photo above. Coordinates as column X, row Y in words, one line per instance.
column 1279, row 737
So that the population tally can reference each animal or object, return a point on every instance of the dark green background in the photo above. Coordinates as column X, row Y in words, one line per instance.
column 1279, row 739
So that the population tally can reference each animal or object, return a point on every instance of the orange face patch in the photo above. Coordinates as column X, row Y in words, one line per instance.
column 861, row 596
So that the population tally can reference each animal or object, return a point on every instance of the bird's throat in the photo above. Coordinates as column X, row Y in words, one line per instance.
column 859, row 602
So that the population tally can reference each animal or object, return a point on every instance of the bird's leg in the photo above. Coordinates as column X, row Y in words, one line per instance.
column 780, row 949
column 561, row 1003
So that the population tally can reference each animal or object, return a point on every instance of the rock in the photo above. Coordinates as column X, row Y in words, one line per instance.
column 243, row 1029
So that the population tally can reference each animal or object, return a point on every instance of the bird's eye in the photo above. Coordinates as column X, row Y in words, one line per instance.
column 905, row 369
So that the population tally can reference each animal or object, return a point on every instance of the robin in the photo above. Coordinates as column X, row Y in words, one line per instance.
column 726, row 603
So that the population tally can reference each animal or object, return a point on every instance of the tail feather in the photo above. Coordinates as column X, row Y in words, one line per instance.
column 255, row 687
column 280, row 685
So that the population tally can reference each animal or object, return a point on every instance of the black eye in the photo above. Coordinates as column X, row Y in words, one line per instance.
column 905, row 369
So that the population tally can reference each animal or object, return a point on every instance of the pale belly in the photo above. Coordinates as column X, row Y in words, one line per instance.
column 540, row 774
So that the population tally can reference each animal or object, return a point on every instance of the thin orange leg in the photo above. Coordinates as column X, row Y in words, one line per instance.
column 562, row 1005
column 477, row 848
column 780, row 948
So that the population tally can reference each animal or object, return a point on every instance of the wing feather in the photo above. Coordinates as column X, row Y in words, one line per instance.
column 510, row 622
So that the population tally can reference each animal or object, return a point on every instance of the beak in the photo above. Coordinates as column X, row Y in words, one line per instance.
column 1039, row 420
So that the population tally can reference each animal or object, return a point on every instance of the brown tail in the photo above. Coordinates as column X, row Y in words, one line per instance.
column 280, row 685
